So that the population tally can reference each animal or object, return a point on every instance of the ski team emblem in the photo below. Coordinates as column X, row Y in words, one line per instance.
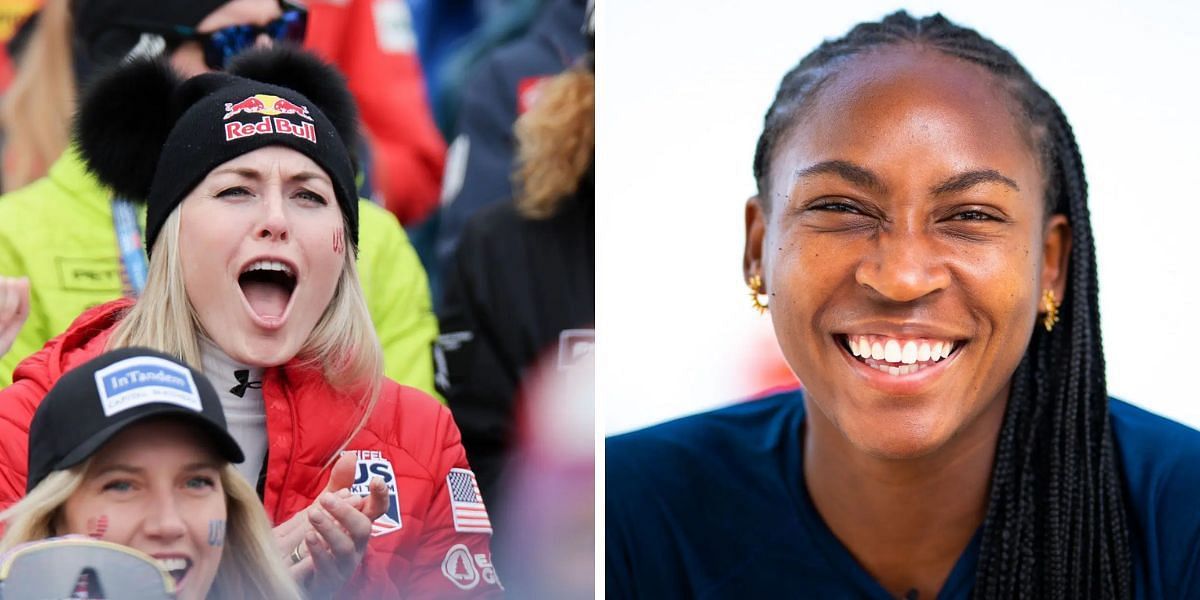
column 371, row 464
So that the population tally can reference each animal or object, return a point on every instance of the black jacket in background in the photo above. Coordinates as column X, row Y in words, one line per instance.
column 514, row 286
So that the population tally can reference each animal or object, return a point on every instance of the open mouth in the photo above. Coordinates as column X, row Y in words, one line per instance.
column 897, row 356
column 177, row 566
column 268, row 286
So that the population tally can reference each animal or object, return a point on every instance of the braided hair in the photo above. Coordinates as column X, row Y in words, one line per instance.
column 1055, row 523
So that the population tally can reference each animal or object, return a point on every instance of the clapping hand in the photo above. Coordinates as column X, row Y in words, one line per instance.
column 325, row 542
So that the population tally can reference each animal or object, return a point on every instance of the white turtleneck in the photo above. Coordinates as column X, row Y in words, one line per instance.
column 245, row 415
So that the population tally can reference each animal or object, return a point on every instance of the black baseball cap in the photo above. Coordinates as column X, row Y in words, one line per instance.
column 98, row 399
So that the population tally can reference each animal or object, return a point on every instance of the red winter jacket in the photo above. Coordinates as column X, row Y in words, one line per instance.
column 418, row 550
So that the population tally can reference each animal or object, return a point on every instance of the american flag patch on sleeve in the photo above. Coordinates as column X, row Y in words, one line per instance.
column 470, row 515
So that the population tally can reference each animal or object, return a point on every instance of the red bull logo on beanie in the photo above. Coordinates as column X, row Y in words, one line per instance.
column 250, row 105
column 142, row 380
column 266, row 104
column 285, row 106
column 270, row 107
column 237, row 130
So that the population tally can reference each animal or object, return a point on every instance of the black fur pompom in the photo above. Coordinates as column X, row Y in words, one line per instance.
column 123, row 119
column 318, row 81
column 197, row 87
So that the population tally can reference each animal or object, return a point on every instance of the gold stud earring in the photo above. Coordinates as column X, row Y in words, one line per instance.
column 758, row 296
column 1051, row 306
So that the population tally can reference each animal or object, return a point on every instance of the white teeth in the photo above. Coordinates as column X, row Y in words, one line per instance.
column 173, row 564
column 908, row 356
column 897, row 371
column 891, row 351
column 269, row 265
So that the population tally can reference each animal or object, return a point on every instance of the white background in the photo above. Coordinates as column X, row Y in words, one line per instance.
column 683, row 87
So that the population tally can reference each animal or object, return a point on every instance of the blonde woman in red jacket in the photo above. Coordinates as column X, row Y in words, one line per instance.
column 251, row 229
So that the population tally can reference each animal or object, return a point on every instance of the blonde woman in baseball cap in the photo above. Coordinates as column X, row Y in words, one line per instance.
column 131, row 447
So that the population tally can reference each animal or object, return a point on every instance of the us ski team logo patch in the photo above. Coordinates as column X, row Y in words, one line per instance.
column 371, row 464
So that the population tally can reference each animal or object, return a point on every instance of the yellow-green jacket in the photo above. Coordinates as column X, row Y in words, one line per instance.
column 58, row 232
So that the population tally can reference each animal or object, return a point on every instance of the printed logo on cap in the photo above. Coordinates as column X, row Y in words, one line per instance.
column 144, row 380
column 372, row 464
column 266, row 104
column 269, row 106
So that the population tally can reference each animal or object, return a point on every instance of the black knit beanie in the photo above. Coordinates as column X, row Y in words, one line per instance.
column 151, row 137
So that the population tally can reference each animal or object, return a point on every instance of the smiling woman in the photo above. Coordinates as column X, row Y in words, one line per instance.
column 921, row 237
column 919, row 216
column 132, row 448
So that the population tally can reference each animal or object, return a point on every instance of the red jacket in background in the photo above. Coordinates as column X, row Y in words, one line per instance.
column 418, row 549
column 373, row 43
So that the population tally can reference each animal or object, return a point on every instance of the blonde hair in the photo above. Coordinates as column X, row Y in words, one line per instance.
column 250, row 564
column 33, row 517
column 556, row 140
column 36, row 111
column 343, row 344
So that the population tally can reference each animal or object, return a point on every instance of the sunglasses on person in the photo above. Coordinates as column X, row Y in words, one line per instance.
column 223, row 44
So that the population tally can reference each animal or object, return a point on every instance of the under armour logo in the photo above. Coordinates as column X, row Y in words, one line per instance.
column 244, row 383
